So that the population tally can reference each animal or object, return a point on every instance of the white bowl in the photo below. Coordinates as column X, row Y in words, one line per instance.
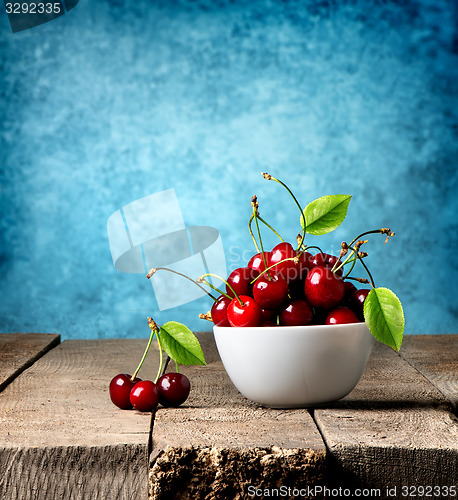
column 295, row 366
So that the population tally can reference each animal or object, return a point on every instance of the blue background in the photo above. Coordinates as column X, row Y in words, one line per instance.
column 117, row 100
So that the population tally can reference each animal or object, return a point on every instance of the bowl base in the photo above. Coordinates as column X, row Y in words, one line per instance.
column 322, row 404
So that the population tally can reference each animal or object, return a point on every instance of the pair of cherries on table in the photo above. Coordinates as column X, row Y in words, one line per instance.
column 171, row 390
column 298, row 288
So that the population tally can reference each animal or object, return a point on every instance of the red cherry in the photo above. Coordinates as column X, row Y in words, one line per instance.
column 295, row 313
column 288, row 270
column 356, row 302
column 173, row 389
column 324, row 259
column 270, row 293
column 268, row 323
column 323, row 288
column 267, row 315
column 144, row 395
column 350, row 289
column 120, row 387
column 219, row 311
column 340, row 316
column 321, row 259
column 240, row 279
column 248, row 314
column 305, row 263
column 257, row 262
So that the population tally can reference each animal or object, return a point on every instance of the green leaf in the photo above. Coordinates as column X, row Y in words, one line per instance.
column 325, row 214
column 181, row 344
column 384, row 317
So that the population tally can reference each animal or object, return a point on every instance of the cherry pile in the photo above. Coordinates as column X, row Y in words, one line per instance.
column 172, row 389
column 291, row 288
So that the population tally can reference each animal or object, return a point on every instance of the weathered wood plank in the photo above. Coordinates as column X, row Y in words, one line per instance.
column 394, row 429
column 61, row 435
column 435, row 357
column 62, row 438
column 219, row 444
column 74, row 472
column 18, row 351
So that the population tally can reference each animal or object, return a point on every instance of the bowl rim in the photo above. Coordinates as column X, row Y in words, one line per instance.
column 297, row 327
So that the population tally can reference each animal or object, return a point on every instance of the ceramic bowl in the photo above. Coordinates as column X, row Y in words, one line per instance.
column 295, row 366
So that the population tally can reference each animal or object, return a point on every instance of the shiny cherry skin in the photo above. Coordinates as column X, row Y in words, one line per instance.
column 356, row 303
column 270, row 293
column 341, row 315
column 248, row 314
column 144, row 395
column 323, row 288
column 240, row 279
column 305, row 264
column 324, row 259
column 173, row 389
column 267, row 315
column 257, row 262
column 350, row 289
column 219, row 311
column 120, row 387
column 288, row 270
column 296, row 313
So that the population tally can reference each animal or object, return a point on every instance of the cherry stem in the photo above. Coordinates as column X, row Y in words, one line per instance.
column 214, row 288
column 161, row 360
column 347, row 260
column 337, row 266
column 270, row 227
column 255, row 215
column 154, row 329
column 313, row 246
column 176, row 365
column 207, row 316
column 270, row 177
column 303, row 235
column 251, row 232
column 374, row 231
column 353, row 263
column 364, row 265
column 272, row 266
column 227, row 284
column 351, row 258
column 154, row 269
column 359, row 280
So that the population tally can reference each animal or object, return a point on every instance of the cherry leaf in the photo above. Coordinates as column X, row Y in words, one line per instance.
column 325, row 214
column 384, row 317
column 181, row 344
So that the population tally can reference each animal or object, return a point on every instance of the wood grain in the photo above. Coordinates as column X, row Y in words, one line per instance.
column 218, row 443
column 18, row 351
column 394, row 429
column 436, row 358
column 74, row 472
column 61, row 435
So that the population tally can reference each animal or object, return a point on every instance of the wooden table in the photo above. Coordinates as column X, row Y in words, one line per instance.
column 61, row 437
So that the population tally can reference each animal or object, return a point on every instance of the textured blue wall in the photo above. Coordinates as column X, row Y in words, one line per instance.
column 117, row 100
